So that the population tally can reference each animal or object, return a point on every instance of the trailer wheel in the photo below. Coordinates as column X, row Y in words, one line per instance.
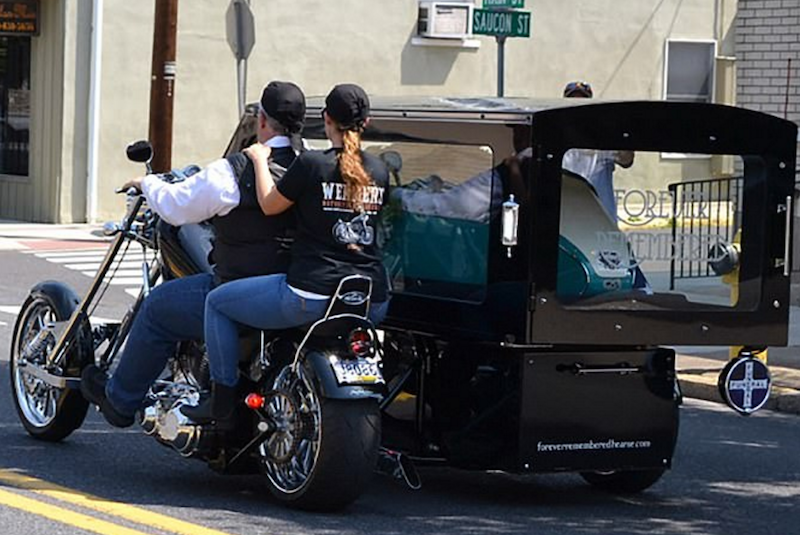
column 623, row 481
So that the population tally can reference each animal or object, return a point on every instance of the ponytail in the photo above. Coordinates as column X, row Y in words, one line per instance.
column 296, row 141
column 352, row 169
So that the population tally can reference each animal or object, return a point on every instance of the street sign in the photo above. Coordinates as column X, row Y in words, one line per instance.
column 240, row 28
column 501, row 23
column 503, row 3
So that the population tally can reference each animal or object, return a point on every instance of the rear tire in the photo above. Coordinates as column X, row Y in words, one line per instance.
column 48, row 413
column 623, row 481
column 331, row 459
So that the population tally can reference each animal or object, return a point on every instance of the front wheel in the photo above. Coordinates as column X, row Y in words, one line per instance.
column 47, row 412
column 324, row 451
column 623, row 481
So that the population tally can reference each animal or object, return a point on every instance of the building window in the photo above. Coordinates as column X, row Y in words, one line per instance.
column 15, row 104
column 689, row 71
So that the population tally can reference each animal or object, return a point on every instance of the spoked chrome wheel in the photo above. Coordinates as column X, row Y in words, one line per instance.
column 47, row 412
column 37, row 400
column 323, row 451
column 289, row 455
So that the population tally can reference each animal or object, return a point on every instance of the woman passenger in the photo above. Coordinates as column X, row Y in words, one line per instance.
column 337, row 194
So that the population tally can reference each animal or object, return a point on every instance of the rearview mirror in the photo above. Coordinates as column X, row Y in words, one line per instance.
column 140, row 151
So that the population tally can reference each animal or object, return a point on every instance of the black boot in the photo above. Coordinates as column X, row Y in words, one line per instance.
column 219, row 407
column 93, row 388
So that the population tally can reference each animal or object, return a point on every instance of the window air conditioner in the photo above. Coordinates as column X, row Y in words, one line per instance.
column 445, row 20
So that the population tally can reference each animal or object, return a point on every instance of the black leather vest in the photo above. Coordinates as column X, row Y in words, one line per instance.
column 247, row 242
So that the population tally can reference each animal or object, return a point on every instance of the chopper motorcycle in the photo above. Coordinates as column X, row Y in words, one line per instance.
column 310, row 418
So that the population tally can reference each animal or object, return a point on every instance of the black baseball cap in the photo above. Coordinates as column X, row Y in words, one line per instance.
column 285, row 102
column 348, row 105
column 578, row 89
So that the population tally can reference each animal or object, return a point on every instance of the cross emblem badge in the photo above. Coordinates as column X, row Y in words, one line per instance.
column 745, row 384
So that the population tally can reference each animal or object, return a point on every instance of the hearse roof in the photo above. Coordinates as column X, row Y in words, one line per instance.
column 464, row 106
column 525, row 106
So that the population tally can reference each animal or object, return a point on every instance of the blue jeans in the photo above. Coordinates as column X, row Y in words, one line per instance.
column 173, row 312
column 262, row 302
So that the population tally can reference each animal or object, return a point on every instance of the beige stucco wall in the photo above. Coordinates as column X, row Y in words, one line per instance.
column 74, row 133
column 617, row 45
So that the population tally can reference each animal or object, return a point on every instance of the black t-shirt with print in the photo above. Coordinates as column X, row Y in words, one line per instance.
column 333, row 241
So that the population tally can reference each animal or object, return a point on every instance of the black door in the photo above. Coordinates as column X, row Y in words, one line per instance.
column 661, row 223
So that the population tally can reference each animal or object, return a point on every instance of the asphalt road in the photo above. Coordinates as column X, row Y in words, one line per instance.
column 731, row 474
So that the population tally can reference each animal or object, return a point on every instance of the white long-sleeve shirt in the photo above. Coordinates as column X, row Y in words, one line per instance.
column 213, row 191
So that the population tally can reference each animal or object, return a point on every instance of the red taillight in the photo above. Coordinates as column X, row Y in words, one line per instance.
column 254, row 401
column 360, row 342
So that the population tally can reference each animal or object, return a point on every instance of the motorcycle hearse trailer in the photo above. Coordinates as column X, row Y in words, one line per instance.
column 528, row 322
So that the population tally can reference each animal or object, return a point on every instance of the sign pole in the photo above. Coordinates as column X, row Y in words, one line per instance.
column 241, row 36
column 501, row 64
column 241, row 63
column 499, row 19
column 241, row 81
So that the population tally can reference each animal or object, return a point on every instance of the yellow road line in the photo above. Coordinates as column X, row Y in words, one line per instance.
column 64, row 516
column 96, row 503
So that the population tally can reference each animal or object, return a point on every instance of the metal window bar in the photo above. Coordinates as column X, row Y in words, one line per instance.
column 703, row 209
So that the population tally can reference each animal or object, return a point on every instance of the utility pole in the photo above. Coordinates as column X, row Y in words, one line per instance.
column 162, row 83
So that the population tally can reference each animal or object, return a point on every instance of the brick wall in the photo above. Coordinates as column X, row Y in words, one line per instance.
column 767, row 37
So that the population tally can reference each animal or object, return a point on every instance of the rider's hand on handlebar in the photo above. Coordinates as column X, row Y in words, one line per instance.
column 258, row 151
column 134, row 183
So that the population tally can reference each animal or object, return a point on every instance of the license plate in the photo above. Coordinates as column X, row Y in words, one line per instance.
column 360, row 371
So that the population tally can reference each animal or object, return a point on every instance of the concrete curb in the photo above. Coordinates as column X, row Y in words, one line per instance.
column 703, row 385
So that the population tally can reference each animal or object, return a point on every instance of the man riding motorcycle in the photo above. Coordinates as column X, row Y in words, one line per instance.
column 247, row 243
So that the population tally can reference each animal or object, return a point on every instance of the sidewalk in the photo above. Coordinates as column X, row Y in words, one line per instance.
column 17, row 235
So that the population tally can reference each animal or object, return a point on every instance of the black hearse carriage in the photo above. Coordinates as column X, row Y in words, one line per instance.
column 527, row 321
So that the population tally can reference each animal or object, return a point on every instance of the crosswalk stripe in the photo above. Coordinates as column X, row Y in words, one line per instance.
column 76, row 252
column 122, row 265
column 94, row 259
column 119, row 273
column 32, row 249
column 128, row 267
column 126, row 281
column 14, row 311
column 96, row 254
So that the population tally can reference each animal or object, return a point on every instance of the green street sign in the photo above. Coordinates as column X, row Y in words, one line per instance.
column 503, row 3
column 501, row 23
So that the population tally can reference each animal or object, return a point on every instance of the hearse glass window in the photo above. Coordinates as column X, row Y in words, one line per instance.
column 15, row 104
column 638, row 226
column 435, row 229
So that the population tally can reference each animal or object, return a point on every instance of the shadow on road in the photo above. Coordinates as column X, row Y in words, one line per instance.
column 732, row 474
